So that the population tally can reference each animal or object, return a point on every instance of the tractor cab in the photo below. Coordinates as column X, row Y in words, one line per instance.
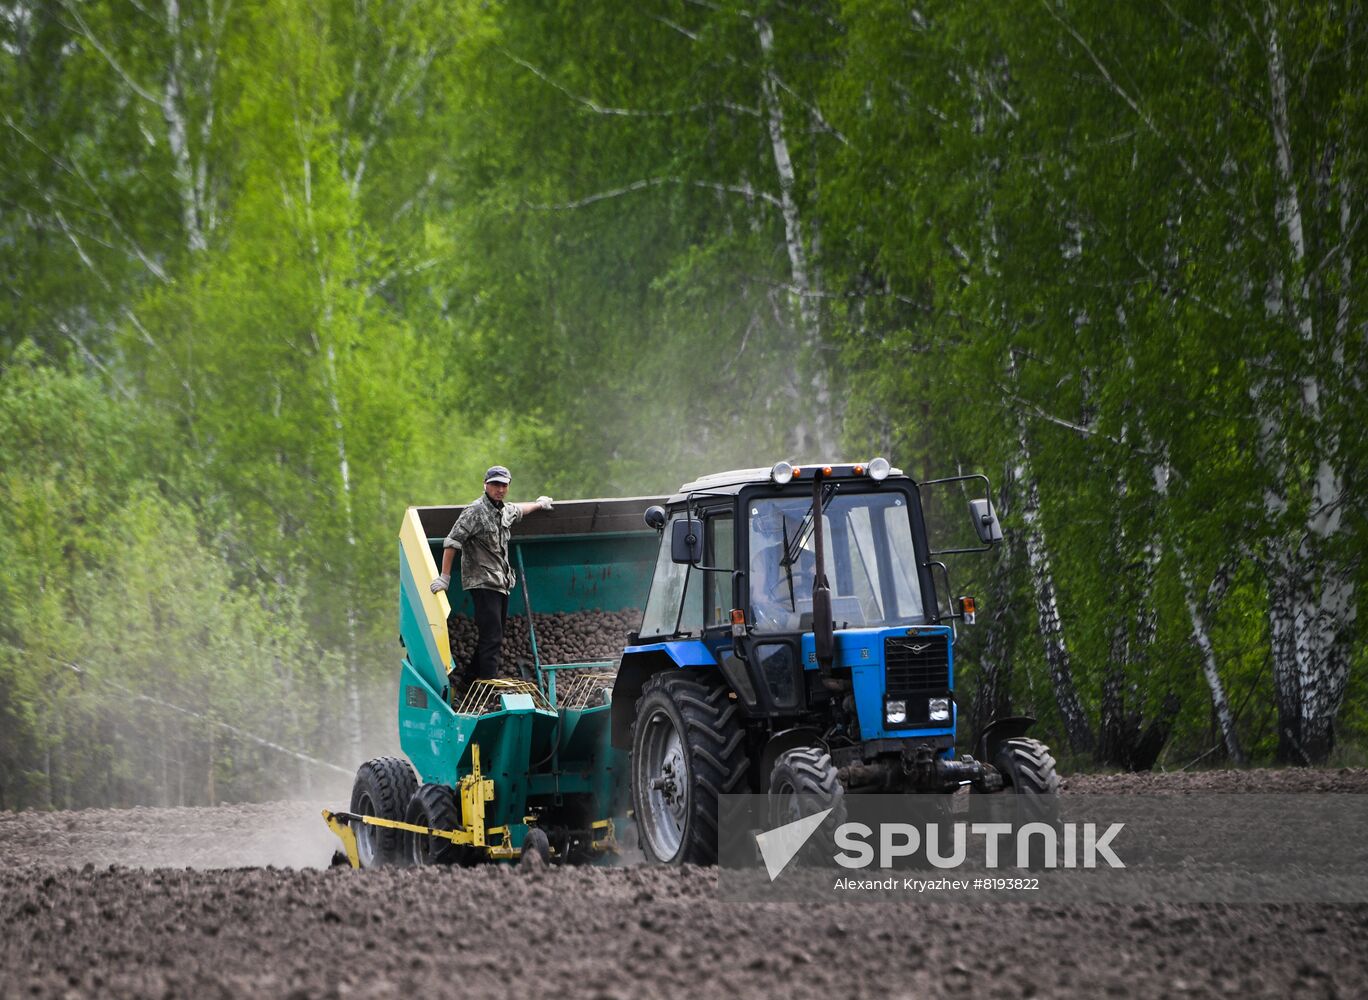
column 738, row 572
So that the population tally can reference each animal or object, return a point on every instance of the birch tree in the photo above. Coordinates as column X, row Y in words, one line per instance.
column 84, row 85
column 678, row 140
column 1122, row 190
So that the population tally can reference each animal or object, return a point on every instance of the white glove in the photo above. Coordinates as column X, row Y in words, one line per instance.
column 545, row 503
column 441, row 583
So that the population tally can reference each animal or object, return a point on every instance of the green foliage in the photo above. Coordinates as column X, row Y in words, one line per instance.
column 125, row 642
column 270, row 274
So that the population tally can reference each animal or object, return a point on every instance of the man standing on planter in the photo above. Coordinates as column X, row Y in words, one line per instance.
column 481, row 535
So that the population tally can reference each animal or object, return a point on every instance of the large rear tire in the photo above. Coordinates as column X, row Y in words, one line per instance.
column 687, row 749
column 382, row 789
column 435, row 807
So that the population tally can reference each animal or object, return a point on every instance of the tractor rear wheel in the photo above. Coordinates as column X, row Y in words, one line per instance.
column 382, row 789
column 435, row 807
column 687, row 749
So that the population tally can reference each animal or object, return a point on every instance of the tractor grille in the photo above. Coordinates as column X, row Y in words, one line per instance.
column 914, row 663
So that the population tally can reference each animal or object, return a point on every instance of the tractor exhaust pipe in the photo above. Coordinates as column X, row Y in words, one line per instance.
column 823, row 627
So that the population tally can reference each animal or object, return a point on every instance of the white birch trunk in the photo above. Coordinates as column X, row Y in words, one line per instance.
column 1312, row 600
column 1057, row 657
column 344, row 475
column 1346, row 198
column 177, row 136
column 328, row 355
column 1201, row 635
column 817, row 438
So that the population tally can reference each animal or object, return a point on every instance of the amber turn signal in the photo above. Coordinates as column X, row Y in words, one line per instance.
column 968, row 610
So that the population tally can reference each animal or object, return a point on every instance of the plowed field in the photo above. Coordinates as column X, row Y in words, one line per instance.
column 237, row 901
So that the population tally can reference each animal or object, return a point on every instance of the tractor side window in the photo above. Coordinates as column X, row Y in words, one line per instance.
column 674, row 584
column 719, row 553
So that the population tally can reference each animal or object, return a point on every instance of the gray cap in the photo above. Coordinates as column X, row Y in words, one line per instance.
column 498, row 474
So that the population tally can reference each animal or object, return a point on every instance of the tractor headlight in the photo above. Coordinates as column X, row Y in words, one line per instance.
column 895, row 712
column 938, row 709
column 782, row 473
column 878, row 468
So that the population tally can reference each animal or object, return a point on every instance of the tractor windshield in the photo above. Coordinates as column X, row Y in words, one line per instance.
column 870, row 559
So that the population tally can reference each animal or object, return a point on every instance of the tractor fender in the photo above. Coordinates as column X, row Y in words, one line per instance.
column 787, row 739
column 637, row 666
column 1009, row 727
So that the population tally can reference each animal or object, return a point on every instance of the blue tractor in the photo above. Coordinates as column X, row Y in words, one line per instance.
column 794, row 642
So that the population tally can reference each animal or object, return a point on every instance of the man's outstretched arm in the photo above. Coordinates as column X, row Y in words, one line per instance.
column 541, row 503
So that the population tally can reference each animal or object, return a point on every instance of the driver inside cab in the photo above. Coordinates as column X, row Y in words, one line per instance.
column 780, row 594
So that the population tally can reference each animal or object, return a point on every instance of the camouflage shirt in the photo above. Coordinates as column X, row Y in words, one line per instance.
column 480, row 534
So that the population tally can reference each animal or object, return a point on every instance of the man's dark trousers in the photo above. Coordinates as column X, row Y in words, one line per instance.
column 491, row 612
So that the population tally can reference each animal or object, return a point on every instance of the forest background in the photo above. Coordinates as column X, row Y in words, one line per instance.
column 272, row 271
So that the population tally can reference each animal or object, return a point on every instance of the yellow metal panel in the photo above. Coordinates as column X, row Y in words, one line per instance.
column 475, row 791
column 472, row 810
column 436, row 607
column 608, row 842
column 344, row 834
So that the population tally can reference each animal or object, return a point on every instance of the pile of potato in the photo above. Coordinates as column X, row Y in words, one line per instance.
column 563, row 637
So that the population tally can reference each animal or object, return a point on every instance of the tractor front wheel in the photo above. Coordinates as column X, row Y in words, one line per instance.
column 803, row 783
column 1028, row 769
column 687, row 749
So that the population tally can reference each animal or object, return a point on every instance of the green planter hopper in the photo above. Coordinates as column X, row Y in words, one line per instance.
column 515, row 755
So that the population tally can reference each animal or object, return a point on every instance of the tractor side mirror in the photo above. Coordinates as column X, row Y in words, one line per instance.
column 985, row 521
column 686, row 542
column 655, row 517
